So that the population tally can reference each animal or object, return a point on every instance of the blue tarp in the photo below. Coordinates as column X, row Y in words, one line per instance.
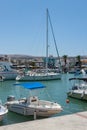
column 31, row 85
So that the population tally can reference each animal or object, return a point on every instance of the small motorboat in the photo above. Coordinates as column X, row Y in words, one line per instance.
column 79, row 88
column 33, row 105
column 3, row 111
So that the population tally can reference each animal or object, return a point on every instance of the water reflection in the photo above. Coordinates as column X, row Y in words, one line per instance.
column 55, row 90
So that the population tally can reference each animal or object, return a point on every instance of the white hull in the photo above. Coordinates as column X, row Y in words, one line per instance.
column 40, row 107
column 39, row 77
column 3, row 112
column 8, row 75
column 30, row 111
column 6, row 71
column 78, row 94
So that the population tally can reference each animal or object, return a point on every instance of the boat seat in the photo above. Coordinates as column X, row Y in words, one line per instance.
column 34, row 100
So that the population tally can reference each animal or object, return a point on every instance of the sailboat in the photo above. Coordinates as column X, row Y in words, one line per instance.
column 43, row 75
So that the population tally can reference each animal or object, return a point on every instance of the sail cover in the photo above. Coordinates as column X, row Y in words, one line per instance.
column 31, row 85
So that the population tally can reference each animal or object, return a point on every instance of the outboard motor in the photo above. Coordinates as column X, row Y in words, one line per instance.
column 11, row 98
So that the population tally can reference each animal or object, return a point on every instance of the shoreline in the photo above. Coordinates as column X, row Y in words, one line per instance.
column 76, row 121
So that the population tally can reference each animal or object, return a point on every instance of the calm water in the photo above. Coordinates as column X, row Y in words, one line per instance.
column 55, row 90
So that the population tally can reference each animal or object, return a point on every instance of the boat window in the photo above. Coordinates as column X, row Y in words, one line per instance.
column 33, row 99
column 74, row 88
column 2, row 68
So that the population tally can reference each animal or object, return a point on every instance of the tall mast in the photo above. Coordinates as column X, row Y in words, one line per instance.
column 54, row 39
column 47, row 40
column 48, row 18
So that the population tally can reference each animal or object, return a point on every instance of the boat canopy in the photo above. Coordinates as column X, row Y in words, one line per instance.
column 31, row 85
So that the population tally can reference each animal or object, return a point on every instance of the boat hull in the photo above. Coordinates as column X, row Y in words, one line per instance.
column 38, row 78
column 32, row 106
column 3, row 112
column 9, row 75
column 77, row 95
column 29, row 111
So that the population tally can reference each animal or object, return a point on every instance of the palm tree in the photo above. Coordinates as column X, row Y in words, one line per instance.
column 78, row 61
column 65, row 62
column 65, row 59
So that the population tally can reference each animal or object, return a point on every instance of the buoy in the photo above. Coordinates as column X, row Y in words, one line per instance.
column 67, row 100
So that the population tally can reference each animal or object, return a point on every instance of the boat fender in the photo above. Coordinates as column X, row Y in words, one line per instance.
column 67, row 100
column 71, row 92
column 82, row 94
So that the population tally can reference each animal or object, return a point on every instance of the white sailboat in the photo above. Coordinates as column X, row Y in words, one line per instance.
column 34, row 76
column 32, row 105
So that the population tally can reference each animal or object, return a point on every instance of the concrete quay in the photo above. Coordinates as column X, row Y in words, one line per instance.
column 76, row 121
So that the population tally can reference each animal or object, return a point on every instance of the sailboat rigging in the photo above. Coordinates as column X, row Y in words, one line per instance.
column 49, row 19
column 43, row 75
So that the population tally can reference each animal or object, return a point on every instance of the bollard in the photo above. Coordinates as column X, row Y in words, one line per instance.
column 35, row 115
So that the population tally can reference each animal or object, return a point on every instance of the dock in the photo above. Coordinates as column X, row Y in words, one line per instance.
column 76, row 121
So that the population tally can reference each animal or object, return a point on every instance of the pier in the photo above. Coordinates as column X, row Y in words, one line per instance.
column 76, row 121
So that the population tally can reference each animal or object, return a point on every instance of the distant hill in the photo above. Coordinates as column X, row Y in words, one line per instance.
column 19, row 56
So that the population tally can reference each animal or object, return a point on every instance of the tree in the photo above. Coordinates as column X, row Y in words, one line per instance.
column 78, row 63
column 65, row 62
column 65, row 59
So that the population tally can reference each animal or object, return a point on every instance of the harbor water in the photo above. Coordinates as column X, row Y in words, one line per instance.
column 56, row 90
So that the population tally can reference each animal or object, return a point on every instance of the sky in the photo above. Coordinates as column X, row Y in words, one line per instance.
column 23, row 27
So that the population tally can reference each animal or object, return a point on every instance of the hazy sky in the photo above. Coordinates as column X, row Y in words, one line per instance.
column 23, row 27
